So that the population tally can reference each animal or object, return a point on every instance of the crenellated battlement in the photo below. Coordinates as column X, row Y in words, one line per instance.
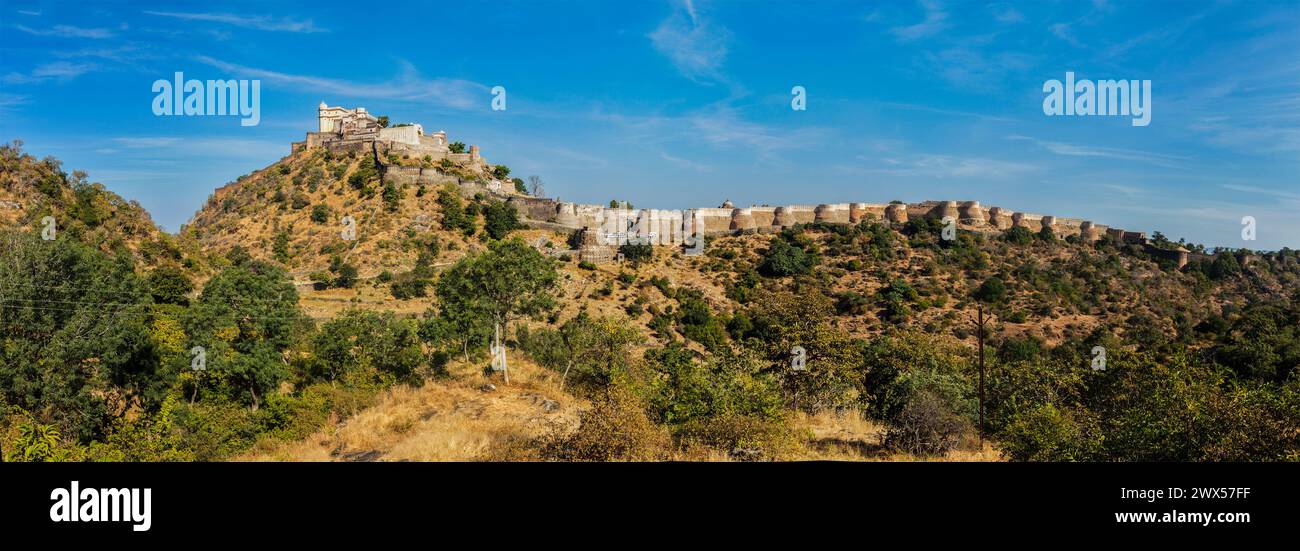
column 721, row 220
column 728, row 219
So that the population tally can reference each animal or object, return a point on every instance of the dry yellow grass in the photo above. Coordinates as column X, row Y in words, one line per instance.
column 455, row 420
column 847, row 436
column 448, row 420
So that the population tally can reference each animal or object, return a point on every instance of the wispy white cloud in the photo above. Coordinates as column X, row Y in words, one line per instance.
column 121, row 54
column 67, row 31
column 1064, row 32
column 929, row 165
column 1161, row 35
column 1007, row 14
column 165, row 151
column 58, row 70
column 717, row 126
column 146, row 141
column 935, row 21
column 696, row 47
column 32, row 13
column 1290, row 196
column 408, row 86
column 1127, row 191
column 10, row 101
column 1072, row 150
column 685, row 163
column 977, row 70
column 258, row 22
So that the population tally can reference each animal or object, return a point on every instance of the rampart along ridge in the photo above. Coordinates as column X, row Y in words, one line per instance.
column 604, row 227
column 663, row 227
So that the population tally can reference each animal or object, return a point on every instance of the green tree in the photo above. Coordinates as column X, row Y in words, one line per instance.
column 244, row 319
column 509, row 280
column 361, row 346
column 783, row 320
column 789, row 253
column 454, row 216
column 499, row 219
column 75, row 341
column 992, row 292
column 170, row 285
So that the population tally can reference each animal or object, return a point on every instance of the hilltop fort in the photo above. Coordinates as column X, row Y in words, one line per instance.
column 345, row 130
column 603, row 228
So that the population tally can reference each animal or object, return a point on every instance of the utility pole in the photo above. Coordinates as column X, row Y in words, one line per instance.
column 980, row 331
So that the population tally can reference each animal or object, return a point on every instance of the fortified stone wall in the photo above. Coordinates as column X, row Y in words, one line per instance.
column 537, row 208
column 665, row 227
column 415, row 175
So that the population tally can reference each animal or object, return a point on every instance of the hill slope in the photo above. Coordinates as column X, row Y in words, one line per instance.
column 32, row 189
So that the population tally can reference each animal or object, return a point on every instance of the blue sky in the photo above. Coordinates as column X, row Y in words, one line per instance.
column 675, row 104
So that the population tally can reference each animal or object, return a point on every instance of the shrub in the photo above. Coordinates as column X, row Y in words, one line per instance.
column 788, row 254
column 616, row 428
column 320, row 214
column 409, row 285
column 992, row 291
column 636, row 253
column 1018, row 235
column 392, row 197
column 345, row 273
column 925, row 427
column 1045, row 433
